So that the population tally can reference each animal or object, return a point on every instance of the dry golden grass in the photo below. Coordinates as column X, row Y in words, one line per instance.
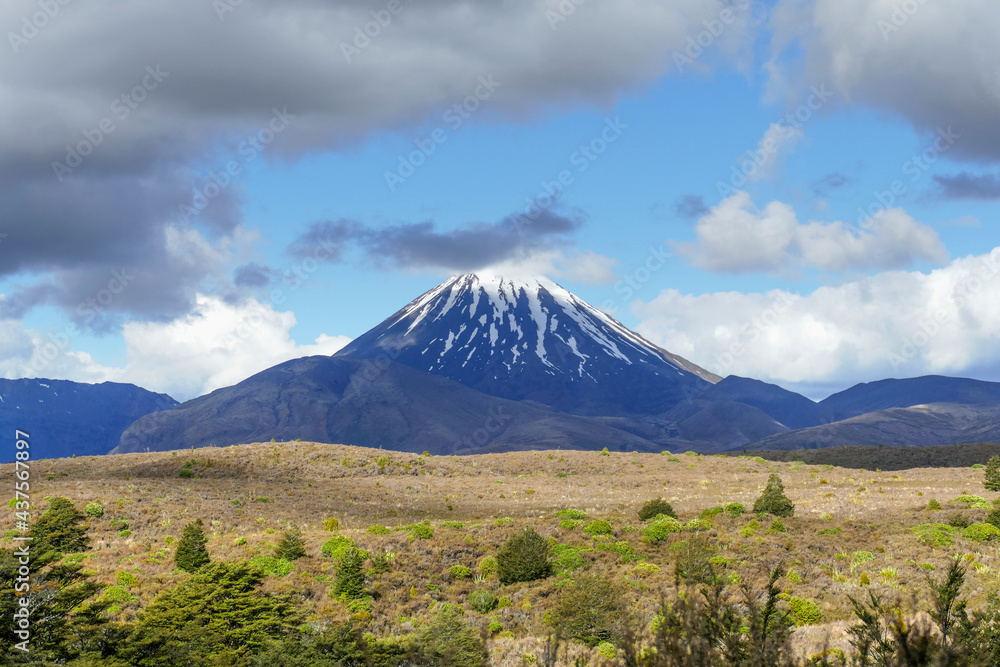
column 304, row 483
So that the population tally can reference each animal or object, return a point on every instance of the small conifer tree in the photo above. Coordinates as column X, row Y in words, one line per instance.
column 291, row 546
column 524, row 557
column 191, row 553
column 61, row 528
column 773, row 499
column 991, row 479
column 350, row 580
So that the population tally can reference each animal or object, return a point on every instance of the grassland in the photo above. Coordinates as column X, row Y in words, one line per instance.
column 852, row 530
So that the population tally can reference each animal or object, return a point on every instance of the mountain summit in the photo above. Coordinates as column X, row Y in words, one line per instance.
column 531, row 339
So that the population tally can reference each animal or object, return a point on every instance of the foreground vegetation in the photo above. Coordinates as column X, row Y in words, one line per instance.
column 305, row 554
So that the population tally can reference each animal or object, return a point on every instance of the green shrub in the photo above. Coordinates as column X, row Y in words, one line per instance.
column 933, row 505
column 607, row 650
column 748, row 530
column 959, row 520
column 279, row 567
column 806, row 612
column 777, row 526
column 569, row 524
column 605, row 452
column 449, row 640
column 191, row 554
column 735, row 509
column 118, row 595
column 60, row 528
column 336, row 546
column 487, row 566
column 660, row 529
column 126, row 578
column 934, row 534
column 331, row 524
column 711, row 511
column 186, row 472
column 578, row 515
column 698, row 524
column 981, row 532
column 831, row 531
column 94, row 510
column 452, row 524
column 991, row 477
column 566, row 558
column 378, row 530
column 483, row 601
column 124, row 533
column 993, row 518
column 773, row 499
column 460, row 572
column 422, row 530
column 349, row 583
column 655, row 508
column 598, row 527
column 694, row 560
column 590, row 610
column 524, row 557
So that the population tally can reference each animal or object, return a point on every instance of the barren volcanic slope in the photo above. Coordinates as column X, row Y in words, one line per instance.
column 852, row 532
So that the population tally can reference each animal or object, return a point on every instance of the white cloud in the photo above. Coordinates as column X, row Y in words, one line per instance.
column 777, row 141
column 894, row 324
column 933, row 63
column 736, row 237
column 586, row 267
column 216, row 345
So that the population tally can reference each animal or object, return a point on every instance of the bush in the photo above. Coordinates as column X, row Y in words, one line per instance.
column 933, row 505
column 126, row 578
column 191, row 554
column 694, row 560
column 590, row 610
column 656, row 507
column 991, row 476
column 959, row 520
column 335, row 547
column 981, row 532
column 524, row 557
column 660, row 529
column 572, row 514
column 483, row 601
column 59, row 529
column 806, row 612
column 331, row 525
column 279, row 567
column 735, row 509
column 449, row 640
column 993, row 518
column 773, row 499
column 378, row 530
column 460, row 571
column 291, row 547
column 598, row 527
column 94, row 510
column 934, row 534
column 607, row 650
column 777, row 526
column 487, row 566
column 569, row 524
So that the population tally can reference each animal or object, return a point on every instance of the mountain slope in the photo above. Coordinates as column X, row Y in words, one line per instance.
column 365, row 403
column 532, row 340
column 872, row 396
column 790, row 409
column 66, row 418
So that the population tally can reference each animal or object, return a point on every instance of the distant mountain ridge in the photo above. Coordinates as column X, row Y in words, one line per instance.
column 66, row 418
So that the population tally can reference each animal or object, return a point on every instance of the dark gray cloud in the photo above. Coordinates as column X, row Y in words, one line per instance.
column 833, row 181
column 253, row 275
column 965, row 185
column 691, row 207
column 421, row 246
column 113, row 116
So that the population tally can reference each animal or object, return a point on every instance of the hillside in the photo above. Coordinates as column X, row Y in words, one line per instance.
column 851, row 533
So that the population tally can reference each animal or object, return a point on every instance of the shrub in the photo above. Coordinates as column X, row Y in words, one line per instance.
column 349, row 583
column 191, row 554
column 422, row 530
column 993, row 518
column 598, row 527
column 487, row 566
column 569, row 524
column 59, row 529
column 735, row 509
column 959, row 520
column 378, row 530
column 94, row 510
column 933, row 505
column 694, row 560
column 453, row 524
column 656, row 507
column 590, row 610
column 126, row 578
column 991, row 476
column 934, row 534
column 660, row 529
column 773, row 499
column 777, row 526
column 698, row 524
column 331, row 525
column 335, row 547
column 607, row 650
column 449, row 640
column 524, row 557
column 291, row 547
column 460, row 571
column 186, row 472
column 605, row 452
column 748, row 530
column 711, row 511
column 981, row 532
column 124, row 533
column 831, row 531
column 483, row 601
column 271, row 565
column 566, row 558
column 806, row 612
column 572, row 514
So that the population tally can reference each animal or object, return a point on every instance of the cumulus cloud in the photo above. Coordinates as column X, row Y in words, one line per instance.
column 737, row 237
column 778, row 141
column 215, row 345
column 881, row 54
column 894, row 324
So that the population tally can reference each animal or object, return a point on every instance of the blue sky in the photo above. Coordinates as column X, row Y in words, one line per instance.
column 861, row 293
